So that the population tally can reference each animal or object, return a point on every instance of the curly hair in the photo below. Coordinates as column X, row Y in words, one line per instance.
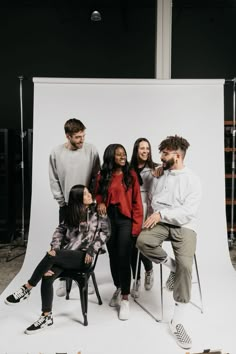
column 108, row 167
column 174, row 142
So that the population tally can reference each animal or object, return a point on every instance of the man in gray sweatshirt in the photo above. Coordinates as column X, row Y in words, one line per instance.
column 71, row 163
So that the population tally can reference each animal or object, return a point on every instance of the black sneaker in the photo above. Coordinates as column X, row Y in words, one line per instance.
column 40, row 324
column 20, row 295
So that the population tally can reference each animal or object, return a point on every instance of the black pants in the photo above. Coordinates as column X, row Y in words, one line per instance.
column 146, row 262
column 64, row 259
column 119, row 248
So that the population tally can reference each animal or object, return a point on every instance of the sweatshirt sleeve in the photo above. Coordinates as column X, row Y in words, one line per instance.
column 58, row 237
column 183, row 214
column 54, row 181
column 101, row 236
column 95, row 169
column 137, row 207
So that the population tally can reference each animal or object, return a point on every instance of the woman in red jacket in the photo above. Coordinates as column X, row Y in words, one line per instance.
column 118, row 195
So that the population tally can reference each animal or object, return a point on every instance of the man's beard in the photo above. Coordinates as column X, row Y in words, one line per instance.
column 168, row 164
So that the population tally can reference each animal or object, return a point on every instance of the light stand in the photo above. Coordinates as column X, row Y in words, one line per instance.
column 231, row 234
column 22, row 239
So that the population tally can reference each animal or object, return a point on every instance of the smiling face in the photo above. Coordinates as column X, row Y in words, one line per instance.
column 143, row 152
column 120, row 157
column 87, row 197
column 76, row 140
column 169, row 159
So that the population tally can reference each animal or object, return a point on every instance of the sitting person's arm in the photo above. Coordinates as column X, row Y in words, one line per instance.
column 101, row 236
column 58, row 237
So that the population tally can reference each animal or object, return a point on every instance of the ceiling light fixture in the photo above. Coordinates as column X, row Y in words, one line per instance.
column 96, row 16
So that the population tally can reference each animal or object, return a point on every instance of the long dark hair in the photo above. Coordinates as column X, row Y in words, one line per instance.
column 76, row 210
column 109, row 166
column 134, row 158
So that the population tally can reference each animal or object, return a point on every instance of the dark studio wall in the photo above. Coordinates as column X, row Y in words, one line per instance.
column 58, row 39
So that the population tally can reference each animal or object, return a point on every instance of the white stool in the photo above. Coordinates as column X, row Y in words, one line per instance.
column 200, row 307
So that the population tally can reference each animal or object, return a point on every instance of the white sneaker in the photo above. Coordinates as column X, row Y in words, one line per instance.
column 90, row 289
column 115, row 300
column 149, row 279
column 135, row 289
column 124, row 310
column 61, row 290
column 180, row 335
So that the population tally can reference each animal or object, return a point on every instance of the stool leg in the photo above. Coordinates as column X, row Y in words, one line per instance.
column 198, row 280
column 68, row 287
column 83, row 289
column 161, row 288
column 96, row 288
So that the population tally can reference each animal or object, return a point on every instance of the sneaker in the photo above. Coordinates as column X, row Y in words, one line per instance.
column 40, row 324
column 61, row 290
column 124, row 310
column 181, row 336
column 115, row 300
column 20, row 295
column 90, row 288
column 149, row 279
column 170, row 281
column 135, row 289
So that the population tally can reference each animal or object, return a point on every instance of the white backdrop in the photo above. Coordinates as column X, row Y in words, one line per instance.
column 122, row 111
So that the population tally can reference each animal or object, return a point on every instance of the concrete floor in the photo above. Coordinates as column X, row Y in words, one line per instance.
column 11, row 261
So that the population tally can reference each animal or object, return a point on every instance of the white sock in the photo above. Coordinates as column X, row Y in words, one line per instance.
column 180, row 311
column 170, row 263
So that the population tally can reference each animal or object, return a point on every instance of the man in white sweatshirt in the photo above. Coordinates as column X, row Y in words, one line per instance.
column 71, row 163
column 175, row 198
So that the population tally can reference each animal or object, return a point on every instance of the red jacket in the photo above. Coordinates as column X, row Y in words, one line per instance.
column 129, row 201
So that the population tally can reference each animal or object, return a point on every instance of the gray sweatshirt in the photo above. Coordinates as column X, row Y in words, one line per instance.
column 70, row 167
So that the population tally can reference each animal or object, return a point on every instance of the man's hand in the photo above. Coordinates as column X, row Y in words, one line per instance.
column 152, row 220
column 88, row 259
column 102, row 209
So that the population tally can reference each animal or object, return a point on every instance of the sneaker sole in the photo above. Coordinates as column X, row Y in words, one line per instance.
column 37, row 330
column 14, row 303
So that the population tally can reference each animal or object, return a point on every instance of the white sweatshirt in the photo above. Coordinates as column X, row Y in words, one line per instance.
column 176, row 195
column 70, row 167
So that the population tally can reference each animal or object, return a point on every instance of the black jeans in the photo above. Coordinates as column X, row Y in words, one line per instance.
column 64, row 259
column 146, row 262
column 119, row 248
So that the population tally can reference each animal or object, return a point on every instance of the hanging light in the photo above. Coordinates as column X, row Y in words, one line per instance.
column 96, row 16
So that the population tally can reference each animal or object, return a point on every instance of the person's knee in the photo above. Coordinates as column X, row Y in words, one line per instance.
column 140, row 242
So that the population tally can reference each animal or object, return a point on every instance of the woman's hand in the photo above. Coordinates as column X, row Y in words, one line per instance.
column 88, row 259
column 49, row 273
column 158, row 171
column 102, row 209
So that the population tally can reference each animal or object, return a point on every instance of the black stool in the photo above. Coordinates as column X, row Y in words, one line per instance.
column 81, row 278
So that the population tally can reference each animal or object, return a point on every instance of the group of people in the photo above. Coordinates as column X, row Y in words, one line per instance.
column 128, row 206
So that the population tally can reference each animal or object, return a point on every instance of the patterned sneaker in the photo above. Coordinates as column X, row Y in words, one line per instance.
column 149, row 279
column 40, row 324
column 115, row 300
column 181, row 336
column 124, row 310
column 170, row 281
column 135, row 289
column 20, row 295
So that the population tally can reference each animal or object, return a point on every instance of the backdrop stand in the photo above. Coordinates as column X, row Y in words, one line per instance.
column 18, row 238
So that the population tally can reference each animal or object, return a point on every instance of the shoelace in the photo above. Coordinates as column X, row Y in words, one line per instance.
column 19, row 293
column 40, row 321
column 181, row 334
